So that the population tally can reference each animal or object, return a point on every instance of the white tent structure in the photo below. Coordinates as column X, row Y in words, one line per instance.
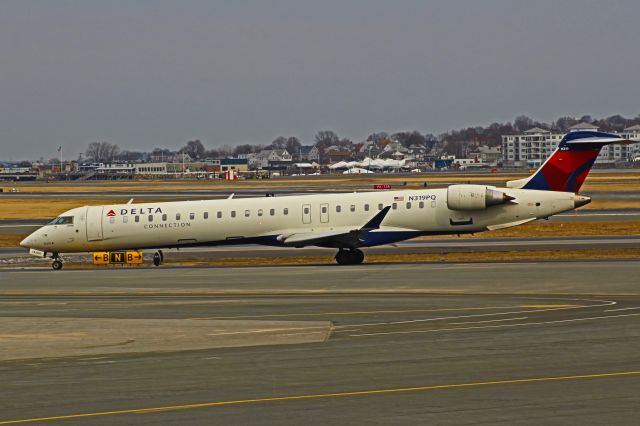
column 356, row 171
column 369, row 163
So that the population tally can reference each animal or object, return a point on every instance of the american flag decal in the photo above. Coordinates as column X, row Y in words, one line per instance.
column 400, row 198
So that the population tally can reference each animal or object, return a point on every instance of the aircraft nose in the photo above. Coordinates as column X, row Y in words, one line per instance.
column 581, row 200
column 27, row 242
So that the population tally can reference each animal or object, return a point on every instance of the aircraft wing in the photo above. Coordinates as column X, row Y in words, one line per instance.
column 345, row 237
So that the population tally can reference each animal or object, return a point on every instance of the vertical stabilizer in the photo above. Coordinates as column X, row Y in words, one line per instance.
column 568, row 166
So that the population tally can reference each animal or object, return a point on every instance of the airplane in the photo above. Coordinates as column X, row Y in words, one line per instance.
column 346, row 222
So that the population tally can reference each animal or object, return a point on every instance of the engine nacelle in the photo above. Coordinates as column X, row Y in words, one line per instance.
column 474, row 197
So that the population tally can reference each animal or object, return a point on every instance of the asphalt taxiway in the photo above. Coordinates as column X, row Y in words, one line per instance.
column 485, row 343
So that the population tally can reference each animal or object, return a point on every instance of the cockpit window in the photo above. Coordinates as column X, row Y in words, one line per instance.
column 62, row 220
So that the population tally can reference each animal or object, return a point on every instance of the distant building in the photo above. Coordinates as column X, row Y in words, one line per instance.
column 150, row 169
column 535, row 145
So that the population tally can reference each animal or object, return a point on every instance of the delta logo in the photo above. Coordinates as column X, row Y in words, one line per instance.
column 111, row 213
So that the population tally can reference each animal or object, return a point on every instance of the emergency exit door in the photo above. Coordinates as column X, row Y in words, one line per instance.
column 306, row 213
column 324, row 213
column 94, row 223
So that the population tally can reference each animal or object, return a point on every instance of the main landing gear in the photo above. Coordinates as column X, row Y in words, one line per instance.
column 158, row 258
column 352, row 256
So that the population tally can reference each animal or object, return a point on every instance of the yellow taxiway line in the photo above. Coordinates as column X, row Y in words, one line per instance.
column 323, row 395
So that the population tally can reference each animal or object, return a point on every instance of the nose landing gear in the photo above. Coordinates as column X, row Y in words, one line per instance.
column 349, row 257
column 57, row 262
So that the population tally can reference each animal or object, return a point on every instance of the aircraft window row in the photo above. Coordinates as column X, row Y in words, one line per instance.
column 247, row 213
column 62, row 220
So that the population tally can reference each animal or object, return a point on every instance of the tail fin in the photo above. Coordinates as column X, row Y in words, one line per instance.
column 567, row 168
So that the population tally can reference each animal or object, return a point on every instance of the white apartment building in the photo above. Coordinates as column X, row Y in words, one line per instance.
column 533, row 147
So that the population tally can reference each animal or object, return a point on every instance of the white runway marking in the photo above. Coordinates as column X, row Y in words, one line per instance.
column 494, row 326
column 606, row 303
column 622, row 309
column 486, row 321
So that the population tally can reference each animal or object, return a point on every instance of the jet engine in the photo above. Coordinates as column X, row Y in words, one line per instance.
column 474, row 197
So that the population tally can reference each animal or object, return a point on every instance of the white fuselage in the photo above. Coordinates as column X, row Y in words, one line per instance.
column 265, row 220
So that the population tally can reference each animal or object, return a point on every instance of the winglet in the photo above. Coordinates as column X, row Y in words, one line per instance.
column 375, row 222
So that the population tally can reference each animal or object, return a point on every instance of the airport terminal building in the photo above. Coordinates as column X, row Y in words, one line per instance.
column 535, row 145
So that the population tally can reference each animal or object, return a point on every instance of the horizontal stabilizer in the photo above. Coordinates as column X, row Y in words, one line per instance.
column 510, row 224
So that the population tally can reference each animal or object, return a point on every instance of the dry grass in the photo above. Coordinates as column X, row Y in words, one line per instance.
column 11, row 240
column 612, row 204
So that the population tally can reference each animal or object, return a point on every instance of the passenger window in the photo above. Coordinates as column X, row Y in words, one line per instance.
column 112, row 220
column 150, row 218
column 353, row 208
column 433, row 204
column 219, row 215
column 259, row 212
column 394, row 206
column 136, row 218
column 206, row 215
column 306, row 210
column 285, row 211
column 246, row 213
column 380, row 207
column 366, row 207
column 338, row 208
column 272, row 212
column 408, row 205
column 177, row 216
column 233, row 213
column 125, row 219
column 192, row 216
column 164, row 217
column 324, row 209
column 421, row 204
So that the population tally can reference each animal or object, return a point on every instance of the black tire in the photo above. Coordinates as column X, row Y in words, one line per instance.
column 157, row 259
column 56, row 265
column 349, row 257
column 161, row 256
column 357, row 256
column 343, row 258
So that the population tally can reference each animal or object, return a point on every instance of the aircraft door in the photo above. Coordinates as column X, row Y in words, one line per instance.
column 324, row 213
column 94, row 223
column 306, row 213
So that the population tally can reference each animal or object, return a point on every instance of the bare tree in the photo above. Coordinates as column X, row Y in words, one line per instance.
column 195, row 149
column 102, row 151
column 293, row 146
column 326, row 138
column 279, row 143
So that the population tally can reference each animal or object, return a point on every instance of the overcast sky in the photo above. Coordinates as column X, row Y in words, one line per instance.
column 158, row 73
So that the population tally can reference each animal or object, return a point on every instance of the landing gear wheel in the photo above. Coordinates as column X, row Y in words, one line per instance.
column 157, row 258
column 161, row 256
column 349, row 257
column 342, row 257
column 358, row 256
column 57, row 265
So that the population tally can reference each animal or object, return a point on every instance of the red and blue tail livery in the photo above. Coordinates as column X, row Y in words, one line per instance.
column 567, row 168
